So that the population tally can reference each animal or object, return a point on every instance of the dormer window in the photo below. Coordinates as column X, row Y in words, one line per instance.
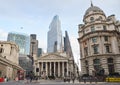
column 91, row 19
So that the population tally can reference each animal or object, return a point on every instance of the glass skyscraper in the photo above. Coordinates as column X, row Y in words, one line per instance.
column 54, row 43
column 22, row 40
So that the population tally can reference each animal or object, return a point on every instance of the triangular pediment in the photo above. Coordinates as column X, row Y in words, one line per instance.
column 53, row 57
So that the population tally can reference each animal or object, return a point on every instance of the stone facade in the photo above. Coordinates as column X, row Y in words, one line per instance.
column 33, row 46
column 9, row 59
column 55, row 64
column 99, row 40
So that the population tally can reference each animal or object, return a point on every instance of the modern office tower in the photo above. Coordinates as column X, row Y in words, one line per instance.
column 54, row 41
column 22, row 40
column 68, row 51
column 33, row 46
column 99, row 40
column 67, row 46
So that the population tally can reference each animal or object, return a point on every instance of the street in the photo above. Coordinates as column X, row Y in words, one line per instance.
column 55, row 82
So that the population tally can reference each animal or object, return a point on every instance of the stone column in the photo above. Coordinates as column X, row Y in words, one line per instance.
column 54, row 69
column 46, row 68
column 41, row 68
column 35, row 66
column 38, row 73
column 63, row 69
column 50, row 68
column 58, row 68
column 67, row 67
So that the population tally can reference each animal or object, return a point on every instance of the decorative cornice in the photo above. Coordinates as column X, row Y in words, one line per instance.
column 99, row 56
column 8, row 62
column 95, row 33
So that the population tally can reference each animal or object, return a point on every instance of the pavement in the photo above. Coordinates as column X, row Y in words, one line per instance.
column 54, row 82
column 62, row 82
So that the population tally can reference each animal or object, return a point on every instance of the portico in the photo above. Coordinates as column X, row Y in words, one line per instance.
column 53, row 65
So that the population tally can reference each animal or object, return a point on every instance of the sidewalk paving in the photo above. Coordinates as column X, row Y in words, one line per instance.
column 62, row 82
column 42, row 81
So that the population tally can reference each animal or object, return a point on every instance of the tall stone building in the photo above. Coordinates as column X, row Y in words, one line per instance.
column 33, row 46
column 99, row 40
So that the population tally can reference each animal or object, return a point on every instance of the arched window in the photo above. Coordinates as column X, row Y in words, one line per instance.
column 91, row 19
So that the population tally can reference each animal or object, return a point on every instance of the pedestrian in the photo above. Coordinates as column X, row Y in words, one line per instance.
column 31, row 76
column 73, row 79
column 27, row 78
column 90, row 78
column 16, row 79
column 5, row 79
column 96, row 79
column 84, row 79
column 79, row 78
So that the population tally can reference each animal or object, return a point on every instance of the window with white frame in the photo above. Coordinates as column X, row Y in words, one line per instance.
column 105, row 38
column 92, row 28
column 104, row 28
column 94, row 39
column 107, row 47
column 95, row 49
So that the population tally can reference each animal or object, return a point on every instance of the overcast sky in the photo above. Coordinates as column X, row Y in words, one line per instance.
column 35, row 16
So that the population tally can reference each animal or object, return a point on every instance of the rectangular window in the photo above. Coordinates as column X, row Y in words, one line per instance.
column 94, row 39
column 104, row 27
column 107, row 49
column 83, row 31
column 119, row 48
column 85, row 42
column 92, row 29
column 95, row 49
column 86, row 51
column 105, row 38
